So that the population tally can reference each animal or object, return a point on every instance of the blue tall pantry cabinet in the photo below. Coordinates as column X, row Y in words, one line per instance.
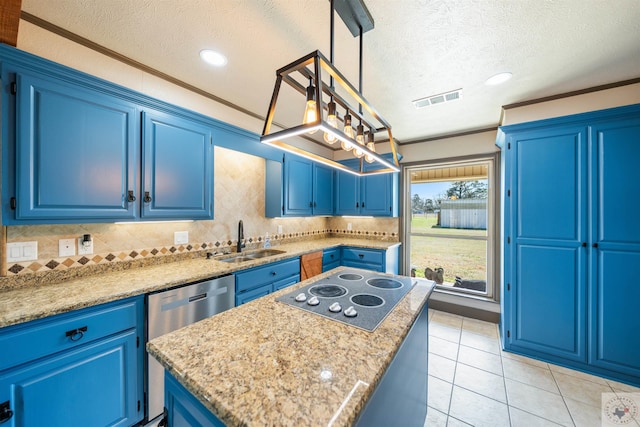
column 572, row 241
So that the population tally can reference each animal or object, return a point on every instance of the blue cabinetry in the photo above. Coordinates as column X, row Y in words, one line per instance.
column 298, row 187
column 373, row 195
column 177, row 162
column 76, row 149
column 79, row 368
column 76, row 154
column 259, row 281
column 331, row 259
column 572, row 241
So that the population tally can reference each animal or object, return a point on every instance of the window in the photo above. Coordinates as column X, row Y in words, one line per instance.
column 449, row 225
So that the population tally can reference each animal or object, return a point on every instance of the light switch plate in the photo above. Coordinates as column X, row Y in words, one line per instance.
column 279, row 229
column 180, row 237
column 22, row 251
column 348, row 226
column 66, row 247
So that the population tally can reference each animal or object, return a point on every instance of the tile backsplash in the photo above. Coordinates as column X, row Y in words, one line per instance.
column 238, row 195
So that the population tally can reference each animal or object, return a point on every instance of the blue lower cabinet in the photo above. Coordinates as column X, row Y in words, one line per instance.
column 331, row 259
column 384, row 261
column 245, row 297
column 91, row 374
column 257, row 282
column 184, row 410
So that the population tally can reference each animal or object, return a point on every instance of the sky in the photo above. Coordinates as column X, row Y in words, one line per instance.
column 429, row 190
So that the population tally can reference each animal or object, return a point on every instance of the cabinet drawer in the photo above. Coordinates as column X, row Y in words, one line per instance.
column 369, row 256
column 281, row 284
column 43, row 337
column 330, row 256
column 245, row 297
column 250, row 279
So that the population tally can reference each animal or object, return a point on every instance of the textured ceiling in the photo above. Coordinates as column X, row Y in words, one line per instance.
column 417, row 48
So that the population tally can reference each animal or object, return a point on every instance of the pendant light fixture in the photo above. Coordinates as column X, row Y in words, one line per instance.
column 310, row 110
column 321, row 96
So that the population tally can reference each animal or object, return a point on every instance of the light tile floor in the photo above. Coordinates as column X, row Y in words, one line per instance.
column 473, row 382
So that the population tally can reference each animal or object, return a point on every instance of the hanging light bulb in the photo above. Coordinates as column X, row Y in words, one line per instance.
column 348, row 130
column 310, row 111
column 371, row 146
column 360, row 140
column 332, row 119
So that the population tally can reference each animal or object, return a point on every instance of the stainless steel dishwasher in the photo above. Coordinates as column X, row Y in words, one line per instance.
column 173, row 309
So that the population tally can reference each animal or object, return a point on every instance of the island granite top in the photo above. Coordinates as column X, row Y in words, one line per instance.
column 32, row 302
column 266, row 363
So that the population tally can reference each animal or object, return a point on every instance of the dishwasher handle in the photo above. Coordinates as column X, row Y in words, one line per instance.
column 198, row 297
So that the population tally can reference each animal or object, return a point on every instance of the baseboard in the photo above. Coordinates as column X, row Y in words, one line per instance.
column 472, row 312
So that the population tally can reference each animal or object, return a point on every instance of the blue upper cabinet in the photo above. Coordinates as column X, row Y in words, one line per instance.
column 347, row 193
column 76, row 154
column 77, row 149
column 298, row 187
column 322, row 190
column 572, row 241
column 373, row 195
column 178, row 168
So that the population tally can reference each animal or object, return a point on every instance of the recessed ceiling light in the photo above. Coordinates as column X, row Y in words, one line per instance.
column 498, row 79
column 212, row 57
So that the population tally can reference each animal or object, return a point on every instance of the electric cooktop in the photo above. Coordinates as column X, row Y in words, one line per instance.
column 359, row 298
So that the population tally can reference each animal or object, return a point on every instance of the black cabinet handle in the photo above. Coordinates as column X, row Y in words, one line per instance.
column 314, row 204
column 273, row 273
column 595, row 245
column 5, row 412
column 363, row 204
column 360, row 256
column 310, row 204
column 147, row 197
column 76, row 334
column 357, row 204
column 131, row 197
column 584, row 244
column 331, row 256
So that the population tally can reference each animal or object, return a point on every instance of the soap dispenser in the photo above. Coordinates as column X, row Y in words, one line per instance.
column 267, row 241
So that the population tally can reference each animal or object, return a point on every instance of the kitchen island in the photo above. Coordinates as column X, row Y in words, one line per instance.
column 267, row 363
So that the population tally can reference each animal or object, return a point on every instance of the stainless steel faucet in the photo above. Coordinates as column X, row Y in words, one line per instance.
column 240, row 236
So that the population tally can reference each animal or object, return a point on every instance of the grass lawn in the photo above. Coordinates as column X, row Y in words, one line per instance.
column 458, row 257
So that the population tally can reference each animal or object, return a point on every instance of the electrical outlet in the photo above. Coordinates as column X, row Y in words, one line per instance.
column 348, row 226
column 85, row 247
column 22, row 251
column 279, row 229
column 66, row 247
column 180, row 237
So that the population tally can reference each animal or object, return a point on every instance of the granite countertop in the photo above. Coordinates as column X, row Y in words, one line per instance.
column 267, row 363
column 34, row 302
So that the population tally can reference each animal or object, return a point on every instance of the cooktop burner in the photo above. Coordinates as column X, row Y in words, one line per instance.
column 359, row 298
column 327, row 291
column 384, row 283
column 350, row 276
column 367, row 300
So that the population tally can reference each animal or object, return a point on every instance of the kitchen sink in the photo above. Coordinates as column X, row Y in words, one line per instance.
column 261, row 253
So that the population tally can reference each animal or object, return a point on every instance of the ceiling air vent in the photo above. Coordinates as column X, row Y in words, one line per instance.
column 440, row 98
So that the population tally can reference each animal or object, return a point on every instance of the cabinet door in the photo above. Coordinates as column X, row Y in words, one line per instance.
column 298, row 176
column 93, row 385
column 615, row 261
column 322, row 190
column 347, row 194
column 546, row 285
column 178, row 168
column 376, row 193
column 76, row 154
